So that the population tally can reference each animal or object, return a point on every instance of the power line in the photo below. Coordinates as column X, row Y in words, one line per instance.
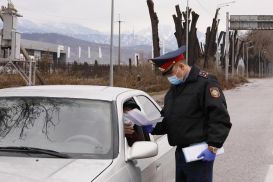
column 204, row 8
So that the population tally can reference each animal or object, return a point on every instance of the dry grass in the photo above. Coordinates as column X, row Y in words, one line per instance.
column 232, row 82
column 142, row 78
column 10, row 81
column 66, row 79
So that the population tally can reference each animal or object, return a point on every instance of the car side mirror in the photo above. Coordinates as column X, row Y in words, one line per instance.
column 141, row 150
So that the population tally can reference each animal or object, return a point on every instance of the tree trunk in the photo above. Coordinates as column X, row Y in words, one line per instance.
column 206, row 47
column 154, row 23
column 198, row 47
column 192, row 39
column 220, row 37
column 179, row 30
column 180, row 34
column 223, row 54
column 239, row 53
column 195, row 50
column 231, row 34
column 211, row 46
column 202, row 48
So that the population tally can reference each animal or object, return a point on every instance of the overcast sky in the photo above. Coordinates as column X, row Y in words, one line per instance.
column 95, row 14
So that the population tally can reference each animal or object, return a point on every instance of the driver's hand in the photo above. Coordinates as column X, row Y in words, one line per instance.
column 129, row 128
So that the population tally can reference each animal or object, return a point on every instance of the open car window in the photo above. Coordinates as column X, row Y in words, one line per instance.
column 149, row 108
column 139, row 134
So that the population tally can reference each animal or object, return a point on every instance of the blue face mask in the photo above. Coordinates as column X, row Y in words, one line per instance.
column 174, row 80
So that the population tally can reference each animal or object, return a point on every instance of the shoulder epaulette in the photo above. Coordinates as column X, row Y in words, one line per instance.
column 204, row 74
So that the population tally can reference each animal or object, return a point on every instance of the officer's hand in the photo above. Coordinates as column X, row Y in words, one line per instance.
column 148, row 128
column 128, row 128
column 207, row 155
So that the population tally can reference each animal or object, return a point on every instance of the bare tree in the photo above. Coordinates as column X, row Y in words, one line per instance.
column 154, row 22
column 211, row 46
column 180, row 33
column 194, row 48
column 263, row 49
column 179, row 29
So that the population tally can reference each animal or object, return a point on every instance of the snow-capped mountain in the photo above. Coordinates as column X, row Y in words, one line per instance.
column 128, row 39
column 81, row 32
column 76, row 36
column 166, row 36
column 27, row 26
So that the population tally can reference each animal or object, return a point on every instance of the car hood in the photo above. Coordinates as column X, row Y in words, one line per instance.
column 17, row 169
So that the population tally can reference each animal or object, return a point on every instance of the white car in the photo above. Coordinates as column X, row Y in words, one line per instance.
column 75, row 134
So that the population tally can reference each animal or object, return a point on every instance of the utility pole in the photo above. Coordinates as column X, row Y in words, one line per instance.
column 263, row 64
column 163, row 47
column 111, row 81
column 247, row 61
column 233, row 54
column 34, row 75
column 217, row 45
column 187, row 34
column 227, row 47
column 259, row 63
column 119, row 40
column 219, row 6
column 243, row 58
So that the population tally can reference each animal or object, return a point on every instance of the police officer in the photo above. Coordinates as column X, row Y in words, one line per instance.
column 194, row 111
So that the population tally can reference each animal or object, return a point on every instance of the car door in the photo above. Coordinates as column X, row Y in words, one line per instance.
column 163, row 165
column 133, row 167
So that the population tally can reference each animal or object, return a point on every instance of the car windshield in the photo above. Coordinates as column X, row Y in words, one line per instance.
column 71, row 126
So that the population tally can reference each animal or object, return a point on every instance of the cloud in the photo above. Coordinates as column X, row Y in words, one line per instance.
column 96, row 13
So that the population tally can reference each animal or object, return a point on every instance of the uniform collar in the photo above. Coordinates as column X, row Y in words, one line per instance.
column 193, row 75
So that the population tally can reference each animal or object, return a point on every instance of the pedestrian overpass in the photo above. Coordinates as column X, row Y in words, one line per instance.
column 244, row 22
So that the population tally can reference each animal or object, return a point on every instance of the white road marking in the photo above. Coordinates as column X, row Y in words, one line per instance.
column 269, row 176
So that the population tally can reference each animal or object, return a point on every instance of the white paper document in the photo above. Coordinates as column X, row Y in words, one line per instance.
column 139, row 118
column 192, row 152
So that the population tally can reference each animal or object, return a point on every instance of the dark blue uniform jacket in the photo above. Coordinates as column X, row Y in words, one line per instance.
column 195, row 111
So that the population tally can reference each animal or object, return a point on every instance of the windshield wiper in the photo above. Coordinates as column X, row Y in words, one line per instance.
column 34, row 151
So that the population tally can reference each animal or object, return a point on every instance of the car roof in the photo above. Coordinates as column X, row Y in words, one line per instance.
column 105, row 93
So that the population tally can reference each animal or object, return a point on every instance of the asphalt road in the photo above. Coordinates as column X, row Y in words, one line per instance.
column 248, row 149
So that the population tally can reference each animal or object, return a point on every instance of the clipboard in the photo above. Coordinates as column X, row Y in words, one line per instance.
column 192, row 152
